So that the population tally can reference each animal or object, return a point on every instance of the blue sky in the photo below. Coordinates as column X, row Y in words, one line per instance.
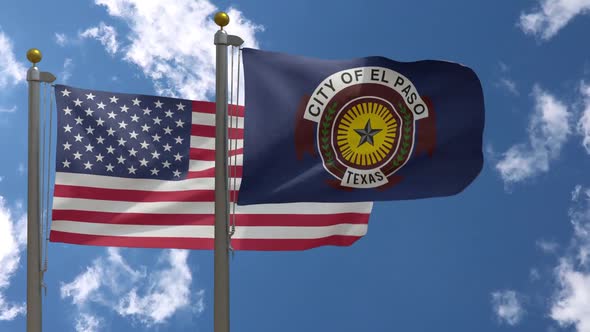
column 511, row 253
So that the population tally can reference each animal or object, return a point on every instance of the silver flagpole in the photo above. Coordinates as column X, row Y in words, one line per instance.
column 221, row 254
column 34, row 77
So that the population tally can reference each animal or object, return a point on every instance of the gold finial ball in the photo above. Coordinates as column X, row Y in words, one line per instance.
column 221, row 19
column 34, row 55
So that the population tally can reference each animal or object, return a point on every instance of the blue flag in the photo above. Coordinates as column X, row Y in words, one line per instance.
column 367, row 129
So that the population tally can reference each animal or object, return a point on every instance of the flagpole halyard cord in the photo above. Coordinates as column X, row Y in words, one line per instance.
column 234, row 158
column 229, row 147
column 42, row 131
column 42, row 152
column 47, row 181
column 233, row 144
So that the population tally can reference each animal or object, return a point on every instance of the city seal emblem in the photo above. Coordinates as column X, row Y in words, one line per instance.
column 366, row 121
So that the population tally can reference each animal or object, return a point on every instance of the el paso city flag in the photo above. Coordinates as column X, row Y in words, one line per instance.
column 366, row 129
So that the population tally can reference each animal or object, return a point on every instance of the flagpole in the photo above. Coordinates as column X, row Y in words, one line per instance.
column 33, row 198
column 34, row 278
column 221, row 253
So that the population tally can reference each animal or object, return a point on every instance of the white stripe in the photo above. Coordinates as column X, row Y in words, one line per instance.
column 61, row 203
column 111, row 182
column 299, row 232
column 192, row 231
column 208, row 119
column 200, row 165
column 208, row 143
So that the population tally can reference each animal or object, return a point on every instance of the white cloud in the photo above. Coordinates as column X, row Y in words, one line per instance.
column 178, row 57
column 110, row 273
column 509, row 85
column 552, row 15
column 11, row 71
column 580, row 219
column 10, row 311
column 584, row 122
column 150, row 298
column 576, row 193
column 106, row 34
column 22, row 169
column 168, row 292
column 61, row 39
column 12, row 241
column 507, row 306
column 84, row 285
column 547, row 246
column 549, row 129
column 504, row 81
column 503, row 67
column 571, row 305
column 67, row 70
column 8, row 110
column 87, row 323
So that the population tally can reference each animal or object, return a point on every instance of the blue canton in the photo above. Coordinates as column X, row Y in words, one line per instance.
column 123, row 135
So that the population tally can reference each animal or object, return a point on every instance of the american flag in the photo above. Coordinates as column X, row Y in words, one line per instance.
column 138, row 171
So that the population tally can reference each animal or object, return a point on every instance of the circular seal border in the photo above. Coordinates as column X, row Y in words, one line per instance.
column 354, row 92
column 393, row 152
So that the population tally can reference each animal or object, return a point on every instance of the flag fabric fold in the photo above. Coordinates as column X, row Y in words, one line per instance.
column 366, row 129
column 138, row 171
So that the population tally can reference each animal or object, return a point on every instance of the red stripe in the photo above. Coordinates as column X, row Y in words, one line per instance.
column 209, row 107
column 132, row 242
column 293, row 244
column 128, row 195
column 209, row 155
column 133, row 218
column 235, row 171
column 200, row 243
column 204, row 107
column 209, row 131
column 300, row 220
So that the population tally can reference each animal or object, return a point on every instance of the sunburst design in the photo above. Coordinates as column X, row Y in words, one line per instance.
column 354, row 120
